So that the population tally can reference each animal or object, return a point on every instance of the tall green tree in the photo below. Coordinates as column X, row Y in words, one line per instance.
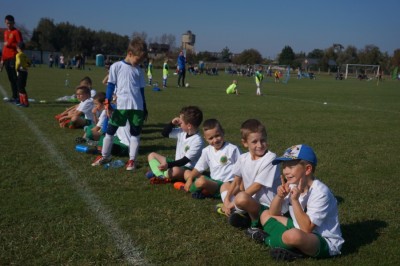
column 249, row 56
column 287, row 56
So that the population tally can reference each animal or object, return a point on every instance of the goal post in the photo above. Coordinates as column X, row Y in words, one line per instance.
column 354, row 70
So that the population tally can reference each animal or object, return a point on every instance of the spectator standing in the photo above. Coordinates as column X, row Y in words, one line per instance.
column 181, row 69
column 12, row 36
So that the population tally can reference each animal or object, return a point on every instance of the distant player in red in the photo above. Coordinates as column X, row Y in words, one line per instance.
column 12, row 37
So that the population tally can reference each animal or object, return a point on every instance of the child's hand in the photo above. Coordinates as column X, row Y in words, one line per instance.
column 295, row 191
column 163, row 167
column 188, row 183
column 283, row 190
column 176, row 121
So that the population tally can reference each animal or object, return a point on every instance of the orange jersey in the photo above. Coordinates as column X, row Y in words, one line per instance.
column 11, row 39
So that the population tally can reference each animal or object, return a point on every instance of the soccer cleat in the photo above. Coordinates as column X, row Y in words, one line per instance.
column 179, row 185
column 218, row 208
column 285, row 254
column 239, row 220
column 130, row 165
column 256, row 234
column 199, row 195
column 100, row 160
column 159, row 180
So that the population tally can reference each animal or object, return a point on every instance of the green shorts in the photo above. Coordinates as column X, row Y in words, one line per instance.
column 134, row 117
column 217, row 194
column 275, row 230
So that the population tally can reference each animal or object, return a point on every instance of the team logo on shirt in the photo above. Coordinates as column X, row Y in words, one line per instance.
column 187, row 148
column 223, row 159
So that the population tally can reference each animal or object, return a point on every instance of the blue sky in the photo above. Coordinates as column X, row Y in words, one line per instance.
column 265, row 25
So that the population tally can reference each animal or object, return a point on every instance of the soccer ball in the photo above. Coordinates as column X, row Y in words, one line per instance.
column 187, row 85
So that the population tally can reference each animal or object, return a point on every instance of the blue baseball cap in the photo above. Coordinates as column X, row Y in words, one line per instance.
column 297, row 152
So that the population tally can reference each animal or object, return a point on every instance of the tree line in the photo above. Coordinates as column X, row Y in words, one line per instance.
column 70, row 39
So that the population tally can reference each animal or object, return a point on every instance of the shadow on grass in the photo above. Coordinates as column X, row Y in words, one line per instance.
column 360, row 234
column 339, row 199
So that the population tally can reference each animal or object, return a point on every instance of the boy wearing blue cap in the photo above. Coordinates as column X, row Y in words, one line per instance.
column 313, row 228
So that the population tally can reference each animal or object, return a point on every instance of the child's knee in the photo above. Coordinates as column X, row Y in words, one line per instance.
column 151, row 156
column 241, row 200
column 291, row 237
column 265, row 215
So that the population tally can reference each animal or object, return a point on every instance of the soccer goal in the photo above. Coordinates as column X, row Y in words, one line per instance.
column 361, row 71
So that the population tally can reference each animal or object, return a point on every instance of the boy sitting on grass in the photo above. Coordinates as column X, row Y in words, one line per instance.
column 256, row 180
column 82, row 115
column 313, row 228
column 219, row 158
column 188, row 148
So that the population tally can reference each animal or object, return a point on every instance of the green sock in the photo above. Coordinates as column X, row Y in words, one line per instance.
column 154, row 163
column 255, row 223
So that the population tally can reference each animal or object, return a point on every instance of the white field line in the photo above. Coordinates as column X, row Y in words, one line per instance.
column 122, row 240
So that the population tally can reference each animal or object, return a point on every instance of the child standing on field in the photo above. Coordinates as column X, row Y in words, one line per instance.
column 313, row 228
column 22, row 62
column 150, row 72
column 165, row 73
column 259, row 78
column 189, row 144
column 232, row 89
column 219, row 157
column 256, row 179
column 128, row 78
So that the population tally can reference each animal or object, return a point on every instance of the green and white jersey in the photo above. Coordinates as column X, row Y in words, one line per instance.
column 189, row 147
column 219, row 162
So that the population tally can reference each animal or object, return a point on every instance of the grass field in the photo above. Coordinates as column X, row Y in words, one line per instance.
column 56, row 208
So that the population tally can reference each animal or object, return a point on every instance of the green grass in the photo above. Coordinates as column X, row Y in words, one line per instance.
column 57, row 209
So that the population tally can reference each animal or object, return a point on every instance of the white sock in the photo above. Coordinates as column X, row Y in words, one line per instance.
column 107, row 145
column 133, row 147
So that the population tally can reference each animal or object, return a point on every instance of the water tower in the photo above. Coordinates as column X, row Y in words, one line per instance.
column 188, row 40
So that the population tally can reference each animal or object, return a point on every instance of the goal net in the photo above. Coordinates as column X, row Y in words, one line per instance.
column 361, row 71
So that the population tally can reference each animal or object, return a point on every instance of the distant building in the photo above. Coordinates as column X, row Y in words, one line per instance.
column 188, row 41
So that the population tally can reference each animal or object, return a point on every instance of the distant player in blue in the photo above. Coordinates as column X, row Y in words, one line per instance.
column 181, row 69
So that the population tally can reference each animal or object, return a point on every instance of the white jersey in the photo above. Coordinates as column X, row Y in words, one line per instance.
column 260, row 171
column 129, row 79
column 321, row 207
column 219, row 162
column 187, row 147
column 86, row 108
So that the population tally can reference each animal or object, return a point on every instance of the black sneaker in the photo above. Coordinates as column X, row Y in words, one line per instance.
column 199, row 195
column 240, row 220
column 256, row 234
column 285, row 254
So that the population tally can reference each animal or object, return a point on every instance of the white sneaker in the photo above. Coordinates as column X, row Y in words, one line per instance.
column 100, row 160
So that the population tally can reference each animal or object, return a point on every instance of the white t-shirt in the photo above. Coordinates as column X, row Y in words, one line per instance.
column 321, row 206
column 187, row 147
column 129, row 79
column 86, row 107
column 261, row 171
column 220, row 162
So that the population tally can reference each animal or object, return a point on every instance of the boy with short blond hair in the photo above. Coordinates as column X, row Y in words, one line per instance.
column 256, row 177
column 184, row 128
column 218, row 157
column 313, row 228
column 128, row 77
